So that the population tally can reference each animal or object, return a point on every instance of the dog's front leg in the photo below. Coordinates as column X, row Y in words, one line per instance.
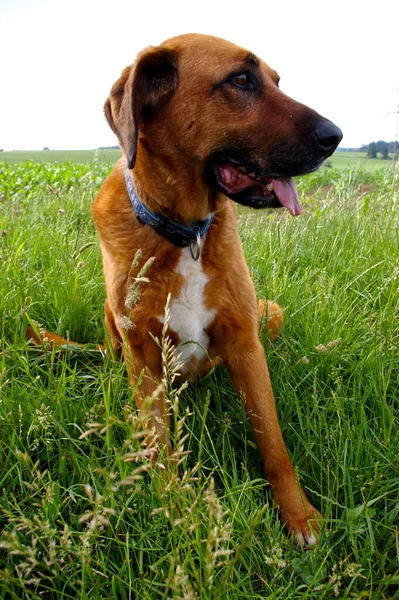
column 249, row 372
column 148, row 393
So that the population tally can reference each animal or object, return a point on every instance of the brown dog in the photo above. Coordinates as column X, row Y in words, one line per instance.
column 202, row 122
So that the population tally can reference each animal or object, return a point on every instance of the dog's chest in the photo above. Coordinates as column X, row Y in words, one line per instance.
column 189, row 316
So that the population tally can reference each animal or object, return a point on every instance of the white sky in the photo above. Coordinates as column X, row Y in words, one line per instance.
column 58, row 60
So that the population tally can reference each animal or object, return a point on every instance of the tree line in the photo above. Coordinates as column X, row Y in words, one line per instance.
column 380, row 147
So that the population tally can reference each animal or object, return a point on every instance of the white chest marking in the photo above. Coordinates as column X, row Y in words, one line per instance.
column 188, row 315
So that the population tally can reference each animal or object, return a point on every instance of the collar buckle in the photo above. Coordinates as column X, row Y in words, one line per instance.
column 195, row 245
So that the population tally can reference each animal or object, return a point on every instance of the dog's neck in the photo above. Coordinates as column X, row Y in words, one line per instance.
column 178, row 190
column 180, row 235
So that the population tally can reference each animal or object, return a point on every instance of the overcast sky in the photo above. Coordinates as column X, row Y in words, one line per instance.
column 58, row 60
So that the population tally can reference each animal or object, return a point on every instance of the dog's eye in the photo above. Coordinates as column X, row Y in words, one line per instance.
column 241, row 80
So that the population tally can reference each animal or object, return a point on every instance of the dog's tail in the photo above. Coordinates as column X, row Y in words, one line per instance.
column 45, row 338
column 272, row 316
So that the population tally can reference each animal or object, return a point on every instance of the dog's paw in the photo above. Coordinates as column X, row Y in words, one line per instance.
column 306, row 530
column 300, row 518
column 303, row 525
column 272, row 315
column 36, row 334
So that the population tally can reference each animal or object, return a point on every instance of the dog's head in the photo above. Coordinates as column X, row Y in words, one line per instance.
column 211, row 113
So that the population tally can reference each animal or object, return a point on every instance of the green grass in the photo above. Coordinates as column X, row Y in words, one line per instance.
column 76, row 519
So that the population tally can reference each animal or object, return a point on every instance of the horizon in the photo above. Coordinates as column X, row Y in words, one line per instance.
column 57, row 79
column 362, row 148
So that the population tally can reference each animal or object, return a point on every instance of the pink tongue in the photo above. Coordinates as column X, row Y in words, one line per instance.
column 285, row 189
column 286, row 192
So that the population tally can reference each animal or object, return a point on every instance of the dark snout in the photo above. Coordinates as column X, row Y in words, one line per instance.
column 306, row 147
column 328, row 136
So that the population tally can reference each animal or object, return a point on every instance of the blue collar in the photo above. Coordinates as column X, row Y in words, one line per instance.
column 177, row 234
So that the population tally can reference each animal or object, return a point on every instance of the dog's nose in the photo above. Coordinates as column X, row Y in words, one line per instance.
column 328, row 136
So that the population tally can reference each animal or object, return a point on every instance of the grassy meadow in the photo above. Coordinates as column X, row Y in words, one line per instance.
column 109, row 156
column 339, row 160
column 82, row 512
column 359, row 160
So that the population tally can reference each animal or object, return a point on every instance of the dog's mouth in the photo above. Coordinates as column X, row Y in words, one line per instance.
column 245, row 185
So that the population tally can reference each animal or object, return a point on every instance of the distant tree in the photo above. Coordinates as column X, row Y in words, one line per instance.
column 364, row 148
column 383, row 149
column 45, row 148
column 372, row 151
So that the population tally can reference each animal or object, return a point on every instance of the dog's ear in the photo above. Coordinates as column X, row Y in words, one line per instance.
column 117, row 120
column 139, row 93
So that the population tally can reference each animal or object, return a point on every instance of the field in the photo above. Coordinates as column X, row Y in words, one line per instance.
column 359, row 160
column 83, row 513
column 75, row 156
column 348, row 160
